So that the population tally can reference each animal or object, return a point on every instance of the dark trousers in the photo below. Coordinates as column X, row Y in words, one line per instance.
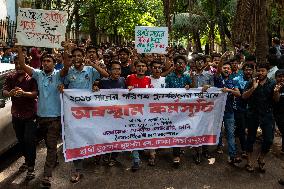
column 240, row 122
column 265, row 121
column 50, row 130
column 176, row 151
column 25, row 130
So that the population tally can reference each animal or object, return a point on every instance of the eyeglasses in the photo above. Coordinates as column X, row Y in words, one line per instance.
column 156, row 67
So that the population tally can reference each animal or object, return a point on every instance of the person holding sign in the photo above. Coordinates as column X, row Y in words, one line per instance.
column 49, row 110
column 230, row 86
column 178, row 79
column 138, row 80
column 113, row 82
column 81, row 77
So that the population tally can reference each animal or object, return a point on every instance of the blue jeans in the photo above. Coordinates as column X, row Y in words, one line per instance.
column 229, row 125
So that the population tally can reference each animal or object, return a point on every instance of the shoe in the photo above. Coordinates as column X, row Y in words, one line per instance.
column 135, row 166
column 176, row 162
column 45, row 183
column 220, row 150
column 281, row 181
column 30, row 174
column 244, row 155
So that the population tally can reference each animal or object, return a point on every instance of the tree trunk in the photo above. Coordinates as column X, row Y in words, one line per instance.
column 261, row 31
column 77, row 21
column 168, row 10
column 92, row 25
column 211, row 36
column 221, row 26
column 69, row 23
column 197, row 43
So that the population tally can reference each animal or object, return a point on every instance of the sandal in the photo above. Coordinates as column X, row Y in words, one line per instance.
column 76, row 177
column 249, row 168
column 261, row 166
column 23, row 167
column 45, row 183
column 151, row 161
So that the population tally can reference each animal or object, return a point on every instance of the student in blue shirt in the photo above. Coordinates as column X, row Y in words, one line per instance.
column 80, row 77
column 49, row 110
column 240, row 111
column 222, row 80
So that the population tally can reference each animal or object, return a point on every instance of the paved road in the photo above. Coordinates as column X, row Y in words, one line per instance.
column 163, row 176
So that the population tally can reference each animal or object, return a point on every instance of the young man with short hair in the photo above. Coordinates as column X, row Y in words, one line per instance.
column 138, row 80
column 48, row 110
column 123, row 55
column 114, row 81
column 23, row 92
column 157, row 80
column 259, row 94
column 178, row 79
column 205, row 80
column 222, row 80
column 81, row 77
column 240, row 112
column 235, row 66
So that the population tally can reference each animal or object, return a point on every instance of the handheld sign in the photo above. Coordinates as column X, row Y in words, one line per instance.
column 41, row 28
column 151, row 39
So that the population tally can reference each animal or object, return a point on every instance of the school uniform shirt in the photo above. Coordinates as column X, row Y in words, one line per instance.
column 49, row 95
column 84, row 79
column 204, row 78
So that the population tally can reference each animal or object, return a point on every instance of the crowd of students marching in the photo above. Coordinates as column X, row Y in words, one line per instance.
column 255, row 95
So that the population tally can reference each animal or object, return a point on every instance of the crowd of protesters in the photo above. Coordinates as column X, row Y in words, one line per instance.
column 255, row 95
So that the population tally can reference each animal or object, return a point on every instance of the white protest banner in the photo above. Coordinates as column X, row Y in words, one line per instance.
column 41, row 28
column 117, row 120
column 151, row 39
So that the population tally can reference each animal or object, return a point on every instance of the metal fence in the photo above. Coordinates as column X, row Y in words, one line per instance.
column 7, row 31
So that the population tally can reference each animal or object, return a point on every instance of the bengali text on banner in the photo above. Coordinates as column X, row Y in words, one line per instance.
column 117, row 120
